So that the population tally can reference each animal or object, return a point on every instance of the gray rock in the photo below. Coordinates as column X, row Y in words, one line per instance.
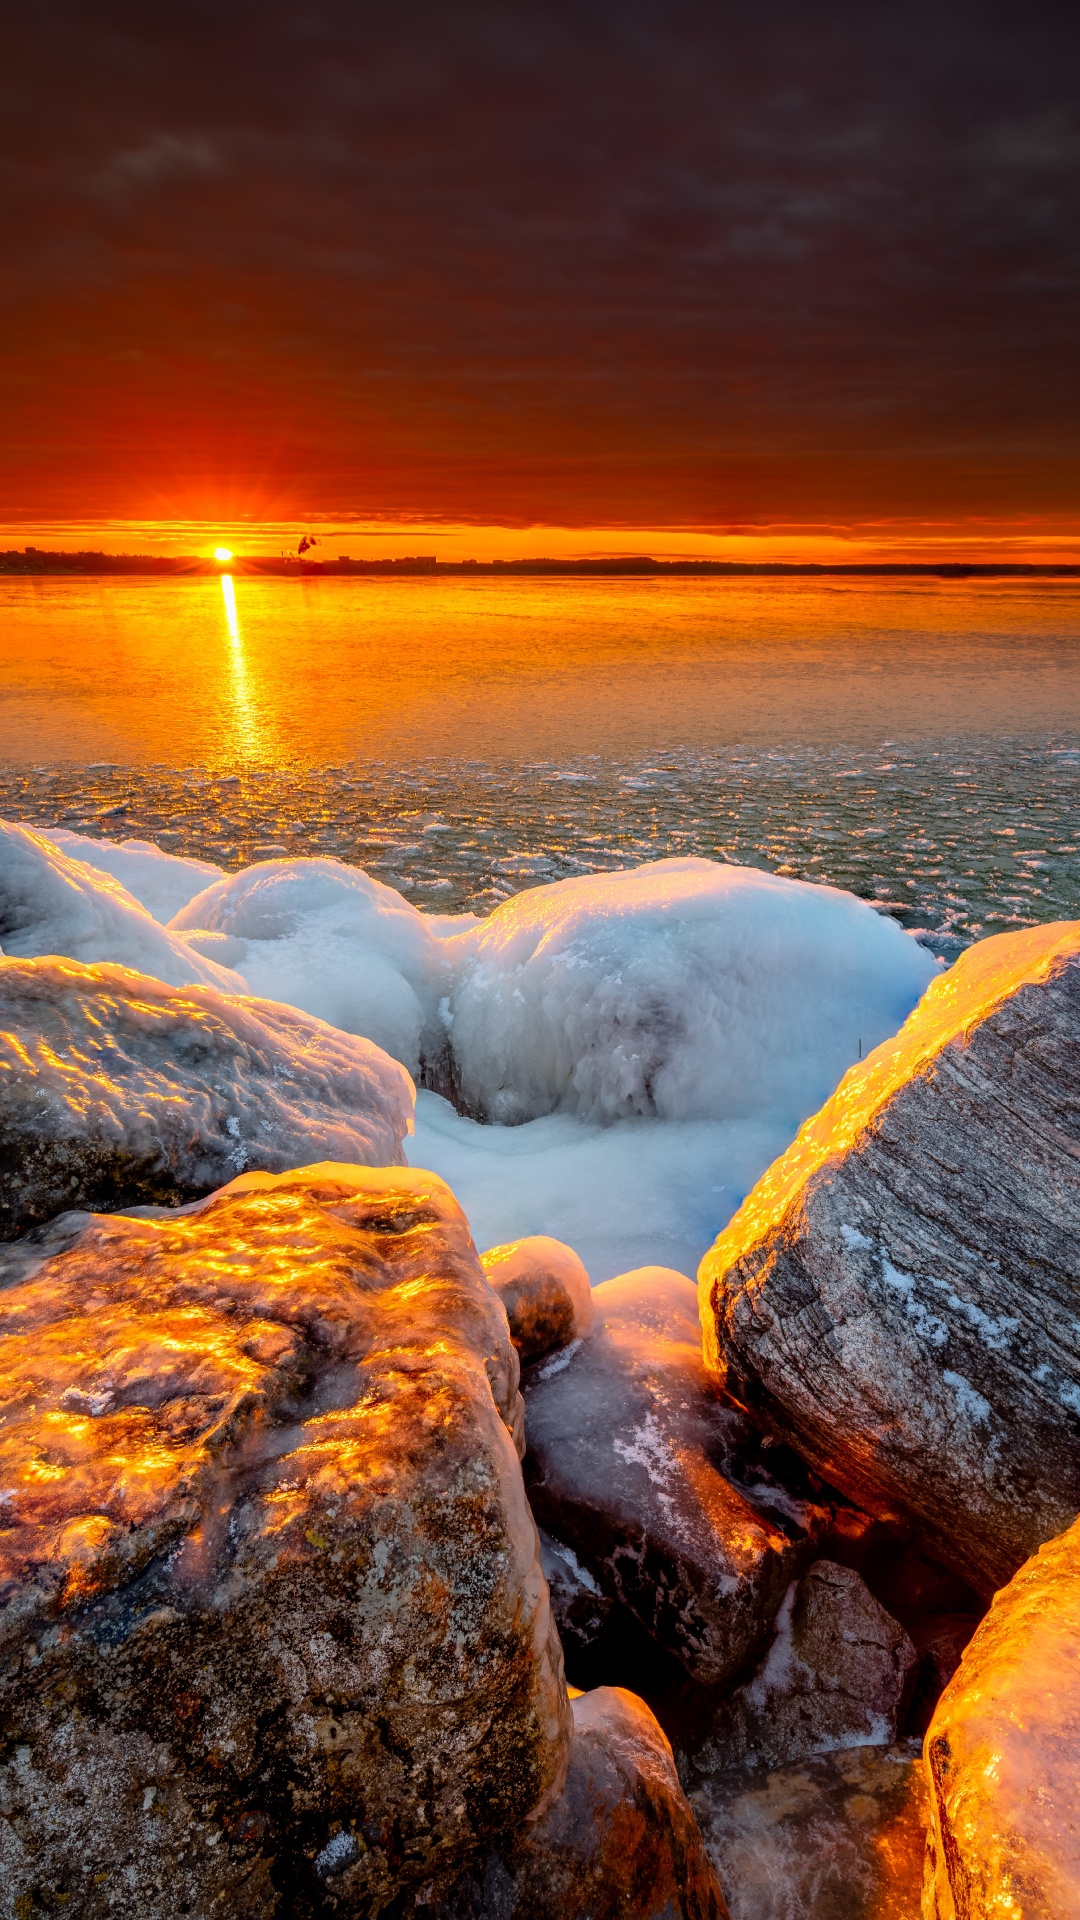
column 545, row 1289
column 900, row 1295
column 838, row 1673
column 274, row 1630
column 119, row 1091
column 619, row 1841
column 655, row 1484
column 839, row 1837
column 1003, row 1751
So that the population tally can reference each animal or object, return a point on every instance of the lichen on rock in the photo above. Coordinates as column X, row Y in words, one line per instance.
column 273, row 1619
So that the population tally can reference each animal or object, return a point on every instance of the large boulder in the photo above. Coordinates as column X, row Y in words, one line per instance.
column 160, row 882
column 900, row 1294
column 686, row 989
column 545, row 1289
column 619, row 1841
column 328, row 938
column 53, row 904
column 658, row 1486
column 1003, row 1751
column 119, row 1091
column 838, row 1837
column 838, row 1672
column 274, row 1631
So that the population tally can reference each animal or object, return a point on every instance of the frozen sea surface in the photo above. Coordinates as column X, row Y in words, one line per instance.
column 957, row 838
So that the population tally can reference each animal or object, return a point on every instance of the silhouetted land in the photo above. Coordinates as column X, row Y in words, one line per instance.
column 35, row 560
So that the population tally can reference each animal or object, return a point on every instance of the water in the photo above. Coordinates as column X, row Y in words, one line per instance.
column 918, row 743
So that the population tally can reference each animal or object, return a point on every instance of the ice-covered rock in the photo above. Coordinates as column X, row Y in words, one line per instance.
column 53, row 904
column 545, row 1290
column 160, row 882
column 840, row 1837
column 275, row 1634
column 685, row 989
column 900, row 1295
column 118, row 1091
column 838, row 1673
column 578, row 1602
column 655, row 1484
column 620, row 1842
column 1003, row 1752
column 326, row 937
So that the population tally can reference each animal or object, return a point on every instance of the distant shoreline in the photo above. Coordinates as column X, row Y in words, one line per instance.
column 37, row 562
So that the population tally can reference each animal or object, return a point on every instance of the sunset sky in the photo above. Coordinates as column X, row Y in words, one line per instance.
column 596, row 276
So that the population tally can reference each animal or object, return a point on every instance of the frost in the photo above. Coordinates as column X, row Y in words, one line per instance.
column 968, row 1400
column 926, row 1324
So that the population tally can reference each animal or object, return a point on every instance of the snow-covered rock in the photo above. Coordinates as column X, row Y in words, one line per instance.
column 545, row 1290
column 329, row 939
column 838, row 1673
column 271, row 1607
column 839, row 1837
column 657, row 1486
column 160, row 882
column 686, row 989
column 116, row 1090
column 900, row 1294
column 1003, row 1752
column 53, row 904
column 620, row 1842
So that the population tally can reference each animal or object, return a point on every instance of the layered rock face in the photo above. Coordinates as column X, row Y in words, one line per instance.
column 1002, row 1754
column 655, row 1484
column 118, row 1091
column 275, row 1633
column 900, row 1295
column 619, row 1841
column 545, row 1290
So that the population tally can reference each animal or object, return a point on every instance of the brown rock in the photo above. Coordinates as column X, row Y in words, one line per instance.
column 900, row 1295
column 545, row 1290
column 118, row 1091
column 274, row 1628
column 839, row 1837
column 838, row 1673
column 619, row 1841
column 1003, row 1752
column 656, row 1484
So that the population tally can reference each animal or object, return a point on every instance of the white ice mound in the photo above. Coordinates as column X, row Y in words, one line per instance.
column 119, row 1090
column 160, row 882
column 52, row 904
column 326, row 937
column 685, row 989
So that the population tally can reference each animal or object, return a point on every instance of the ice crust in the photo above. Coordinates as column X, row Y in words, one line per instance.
column 51, row 903
column 160, row 882
column 684, row 990
column 645, row 1042
column 329, row 939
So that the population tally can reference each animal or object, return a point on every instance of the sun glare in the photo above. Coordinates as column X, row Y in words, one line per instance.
column 223, row 554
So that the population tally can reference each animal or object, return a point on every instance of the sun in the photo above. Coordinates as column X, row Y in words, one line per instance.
column 223, row 554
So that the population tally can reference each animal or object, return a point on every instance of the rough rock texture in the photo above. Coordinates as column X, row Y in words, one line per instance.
column 838, row 1673
column 578, row 1602
column 545, row 1290
column 620, row 1842
column 841, row 1837
column 52, row 904
column 274, row 1633
column 637, row 1465
column 118, row 1091
column 1003, row 1752
column 900, row 1295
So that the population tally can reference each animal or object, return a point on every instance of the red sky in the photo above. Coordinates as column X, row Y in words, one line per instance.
column 585, row 266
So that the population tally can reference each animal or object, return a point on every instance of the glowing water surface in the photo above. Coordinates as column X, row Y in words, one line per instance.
column 916, row 741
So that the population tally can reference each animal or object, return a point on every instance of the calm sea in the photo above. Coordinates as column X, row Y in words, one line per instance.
column 917, row 742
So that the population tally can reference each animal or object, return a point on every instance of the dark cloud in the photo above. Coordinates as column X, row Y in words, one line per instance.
column 594, row 261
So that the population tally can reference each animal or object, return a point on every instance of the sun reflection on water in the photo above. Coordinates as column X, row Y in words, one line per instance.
column 248, row 737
